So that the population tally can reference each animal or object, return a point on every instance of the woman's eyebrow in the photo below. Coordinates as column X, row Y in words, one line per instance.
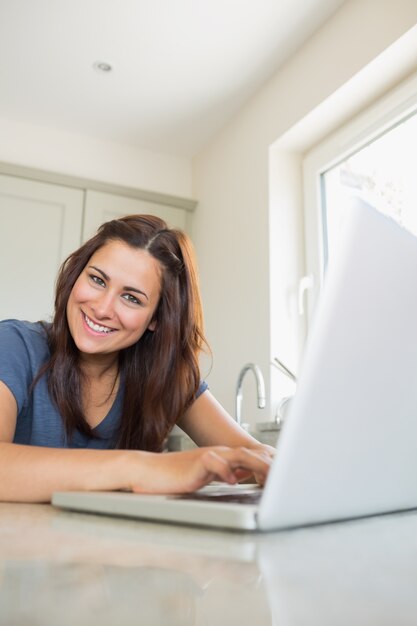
column 126, row 287
column 93, row 267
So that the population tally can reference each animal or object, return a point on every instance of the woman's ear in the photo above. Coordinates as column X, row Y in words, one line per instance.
column 152, row 325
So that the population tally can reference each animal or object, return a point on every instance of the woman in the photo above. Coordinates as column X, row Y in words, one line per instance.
column 87, row 401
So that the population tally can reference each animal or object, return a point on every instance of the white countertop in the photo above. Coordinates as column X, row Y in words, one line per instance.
column 59, row 568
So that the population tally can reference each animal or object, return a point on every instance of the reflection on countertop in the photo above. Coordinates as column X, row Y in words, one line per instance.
column 67, row 568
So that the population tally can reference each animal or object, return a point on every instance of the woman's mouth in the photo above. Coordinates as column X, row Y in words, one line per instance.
column 97, row 328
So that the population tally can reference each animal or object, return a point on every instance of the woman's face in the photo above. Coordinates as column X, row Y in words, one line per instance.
column 114, row 299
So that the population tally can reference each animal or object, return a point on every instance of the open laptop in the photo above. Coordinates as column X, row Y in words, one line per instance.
column 348, row 447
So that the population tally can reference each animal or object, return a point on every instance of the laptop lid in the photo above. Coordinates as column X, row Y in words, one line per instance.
column 349, row 446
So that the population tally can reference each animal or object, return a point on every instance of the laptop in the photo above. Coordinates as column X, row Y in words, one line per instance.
column 348, row 447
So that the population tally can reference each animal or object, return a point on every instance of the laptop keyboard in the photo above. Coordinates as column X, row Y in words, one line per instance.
column 250, row 497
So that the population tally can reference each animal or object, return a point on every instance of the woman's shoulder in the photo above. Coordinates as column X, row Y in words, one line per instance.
column 15, row 332
column 23, row 350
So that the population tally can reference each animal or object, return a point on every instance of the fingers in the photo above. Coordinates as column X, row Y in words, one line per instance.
column 230, row 464
column 215, row 464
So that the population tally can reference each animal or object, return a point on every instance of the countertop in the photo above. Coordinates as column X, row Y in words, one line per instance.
column 60, row 568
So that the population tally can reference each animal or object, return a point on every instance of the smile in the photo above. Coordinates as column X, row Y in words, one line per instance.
column 96, row 327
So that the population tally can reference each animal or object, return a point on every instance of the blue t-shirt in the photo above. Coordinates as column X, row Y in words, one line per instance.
column 23, row 351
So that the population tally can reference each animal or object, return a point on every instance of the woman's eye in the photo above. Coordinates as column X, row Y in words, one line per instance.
column 97, row 280
column 132, row 299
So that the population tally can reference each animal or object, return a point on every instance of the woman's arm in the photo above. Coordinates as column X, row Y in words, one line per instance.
column 209, row 424
column 32, row 473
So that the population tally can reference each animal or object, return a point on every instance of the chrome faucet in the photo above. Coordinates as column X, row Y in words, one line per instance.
column 260, row 389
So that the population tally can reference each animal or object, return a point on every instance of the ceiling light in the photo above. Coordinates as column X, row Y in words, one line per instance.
column 102, row 67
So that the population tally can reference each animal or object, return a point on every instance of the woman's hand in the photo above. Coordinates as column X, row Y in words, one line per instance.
column 184, row 472
column 265, row 450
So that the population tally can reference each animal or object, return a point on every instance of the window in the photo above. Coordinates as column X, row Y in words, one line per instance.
column 372, row 157
column 383, row 173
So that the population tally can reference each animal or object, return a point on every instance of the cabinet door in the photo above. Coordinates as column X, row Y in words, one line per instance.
column 40, row 224
column 101, row 207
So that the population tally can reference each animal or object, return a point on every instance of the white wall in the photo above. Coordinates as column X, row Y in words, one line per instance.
column 235, row 194
column 87, row 157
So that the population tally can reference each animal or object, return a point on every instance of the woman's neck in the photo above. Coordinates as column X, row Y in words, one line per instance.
column 99, row 388
column 97, row 367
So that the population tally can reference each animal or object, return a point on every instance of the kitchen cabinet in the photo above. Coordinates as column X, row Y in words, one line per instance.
column 40, row 224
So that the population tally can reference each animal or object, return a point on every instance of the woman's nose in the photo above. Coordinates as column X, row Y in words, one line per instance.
column 103, row 306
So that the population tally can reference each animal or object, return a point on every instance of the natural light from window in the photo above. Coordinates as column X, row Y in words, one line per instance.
column 383, row 173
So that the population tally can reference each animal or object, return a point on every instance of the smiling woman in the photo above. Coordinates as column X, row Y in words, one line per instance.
column 91, row 395
column 105, row 304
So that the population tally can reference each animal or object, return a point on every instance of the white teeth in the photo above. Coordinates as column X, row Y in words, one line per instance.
column 96, row 327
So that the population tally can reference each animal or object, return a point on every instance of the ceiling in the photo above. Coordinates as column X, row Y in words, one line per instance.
column 180, row 68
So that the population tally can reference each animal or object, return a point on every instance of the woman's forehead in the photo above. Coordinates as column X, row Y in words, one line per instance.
column 121, row 261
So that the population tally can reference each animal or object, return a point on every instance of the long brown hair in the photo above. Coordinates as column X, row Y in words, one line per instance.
column 160, row 372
